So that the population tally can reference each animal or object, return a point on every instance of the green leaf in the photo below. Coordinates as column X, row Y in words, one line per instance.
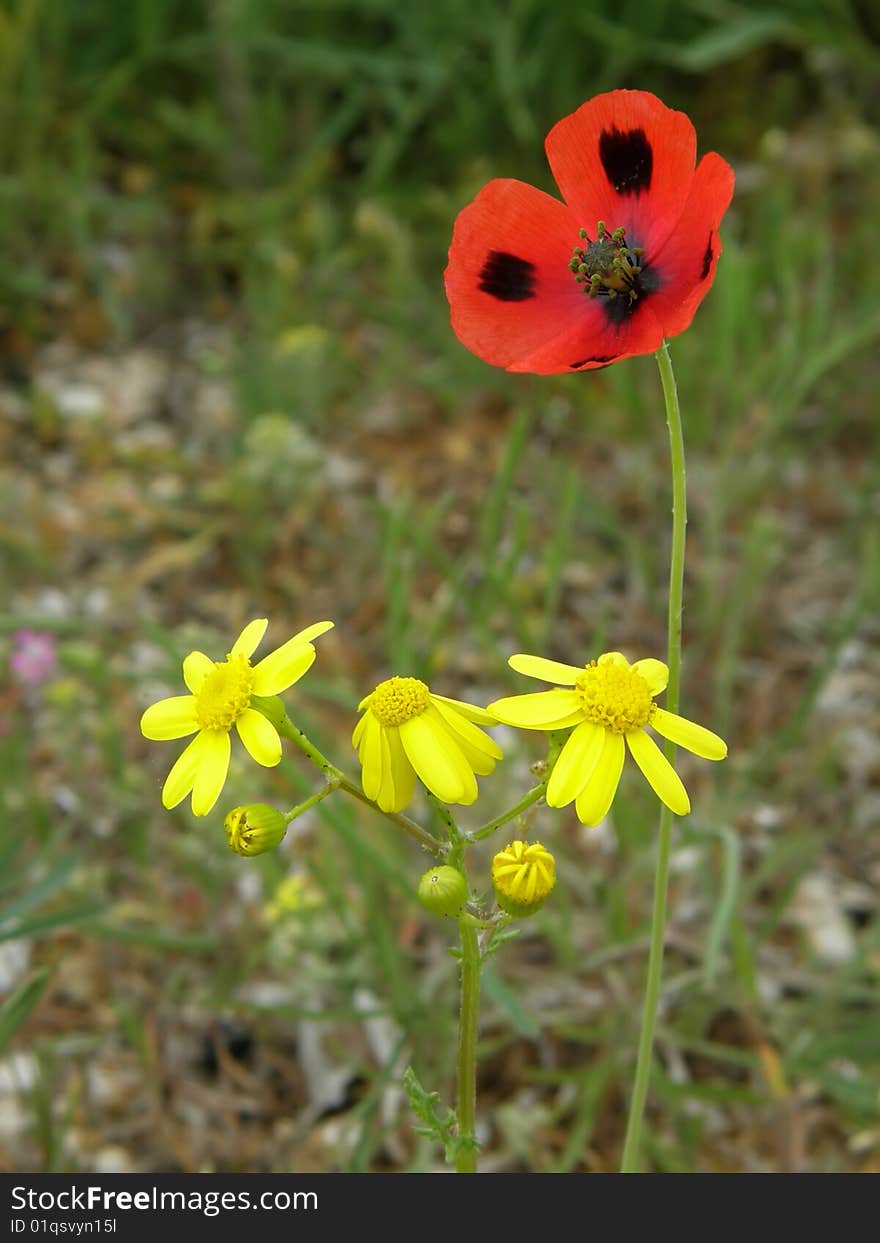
column 436, row 1126
column 731, row 40
column 17, row 1007
column 57, row 919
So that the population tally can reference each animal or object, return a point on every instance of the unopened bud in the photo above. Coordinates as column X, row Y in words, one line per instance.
column 443, row 890
column 254, row 829
column 523, row 875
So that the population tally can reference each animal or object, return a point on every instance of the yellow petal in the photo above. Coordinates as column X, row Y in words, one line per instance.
column 662, row 777
column 465, row 732
column 196, row 668
column 595, row 799
column 387, row 796
column 180, row 780
column 687, row 734
column 548, row 670
column 470, row 712
column 250, row 638
column 312, row 632
column 613, row 658
column 358, row 732
column 575, row 764
column 477, row 760
column 543, row 710
column 403, row 775
column 281, row 668
column 387, row 775
column 371, row 757
column 655, row 673
column 438, row 762
column 444, row 738
column 213, row 765
column 170, row 718
column 260, row 737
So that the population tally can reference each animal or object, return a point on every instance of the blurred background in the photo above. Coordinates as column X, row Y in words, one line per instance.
column 229, row 389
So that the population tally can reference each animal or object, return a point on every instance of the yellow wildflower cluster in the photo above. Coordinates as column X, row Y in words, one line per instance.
column 408, row 733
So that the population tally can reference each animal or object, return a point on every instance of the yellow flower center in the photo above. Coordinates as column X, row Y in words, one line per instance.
column 225, row 693
column 619, row 699
column 524, row 872
column 399, row 700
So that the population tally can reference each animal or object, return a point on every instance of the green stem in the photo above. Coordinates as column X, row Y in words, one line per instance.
column 332, row 784
column 631, row 1147
column 339, row 780
column 457, row 840
column 554, row 746
column 466, row 1104
column 527, row 801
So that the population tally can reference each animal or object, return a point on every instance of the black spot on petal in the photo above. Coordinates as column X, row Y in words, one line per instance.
column 600, row 358
column 619, row 310
column 707, row 259
column 507, row 277
column 627, row 158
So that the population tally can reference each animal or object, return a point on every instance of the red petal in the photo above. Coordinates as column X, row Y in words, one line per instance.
column 686, row 264
column 594, row 341
column 508, row 282
column 627, row 159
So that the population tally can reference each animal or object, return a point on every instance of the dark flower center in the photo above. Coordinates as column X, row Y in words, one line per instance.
column 610, row 269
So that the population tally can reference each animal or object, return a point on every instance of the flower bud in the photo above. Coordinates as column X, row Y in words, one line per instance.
column 254, row 829
column 523, row 875
column 443, row 890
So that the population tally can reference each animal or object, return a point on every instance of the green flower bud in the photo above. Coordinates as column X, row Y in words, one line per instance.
column 443, row 890
column 254, row 829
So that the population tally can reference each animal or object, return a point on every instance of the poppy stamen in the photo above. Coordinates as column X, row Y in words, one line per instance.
column 608, row 267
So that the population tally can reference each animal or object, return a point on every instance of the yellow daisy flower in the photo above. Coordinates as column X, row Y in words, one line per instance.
column 222, row 696
column 607, row 701
column 408, row 732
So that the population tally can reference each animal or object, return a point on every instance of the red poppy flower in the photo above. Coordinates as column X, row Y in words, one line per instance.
column 543, row 286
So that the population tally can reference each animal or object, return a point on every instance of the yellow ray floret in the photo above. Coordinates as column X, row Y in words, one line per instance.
column 609, row 702
column 222, row 694
column 407, row 733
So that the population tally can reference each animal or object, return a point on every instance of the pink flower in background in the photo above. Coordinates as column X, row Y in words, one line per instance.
column 33, row 659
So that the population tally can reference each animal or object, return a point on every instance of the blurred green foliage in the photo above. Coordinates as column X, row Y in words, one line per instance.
column 292, row 170
column 112, row 114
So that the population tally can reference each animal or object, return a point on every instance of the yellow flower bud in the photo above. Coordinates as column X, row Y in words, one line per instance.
column 443, row 890
column 254, row 829
column 523, row 875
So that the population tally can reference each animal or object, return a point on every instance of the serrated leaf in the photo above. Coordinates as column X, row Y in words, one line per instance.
column 436, row 1126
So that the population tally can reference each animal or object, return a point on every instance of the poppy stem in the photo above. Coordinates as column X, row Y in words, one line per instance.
column 631, row 1146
